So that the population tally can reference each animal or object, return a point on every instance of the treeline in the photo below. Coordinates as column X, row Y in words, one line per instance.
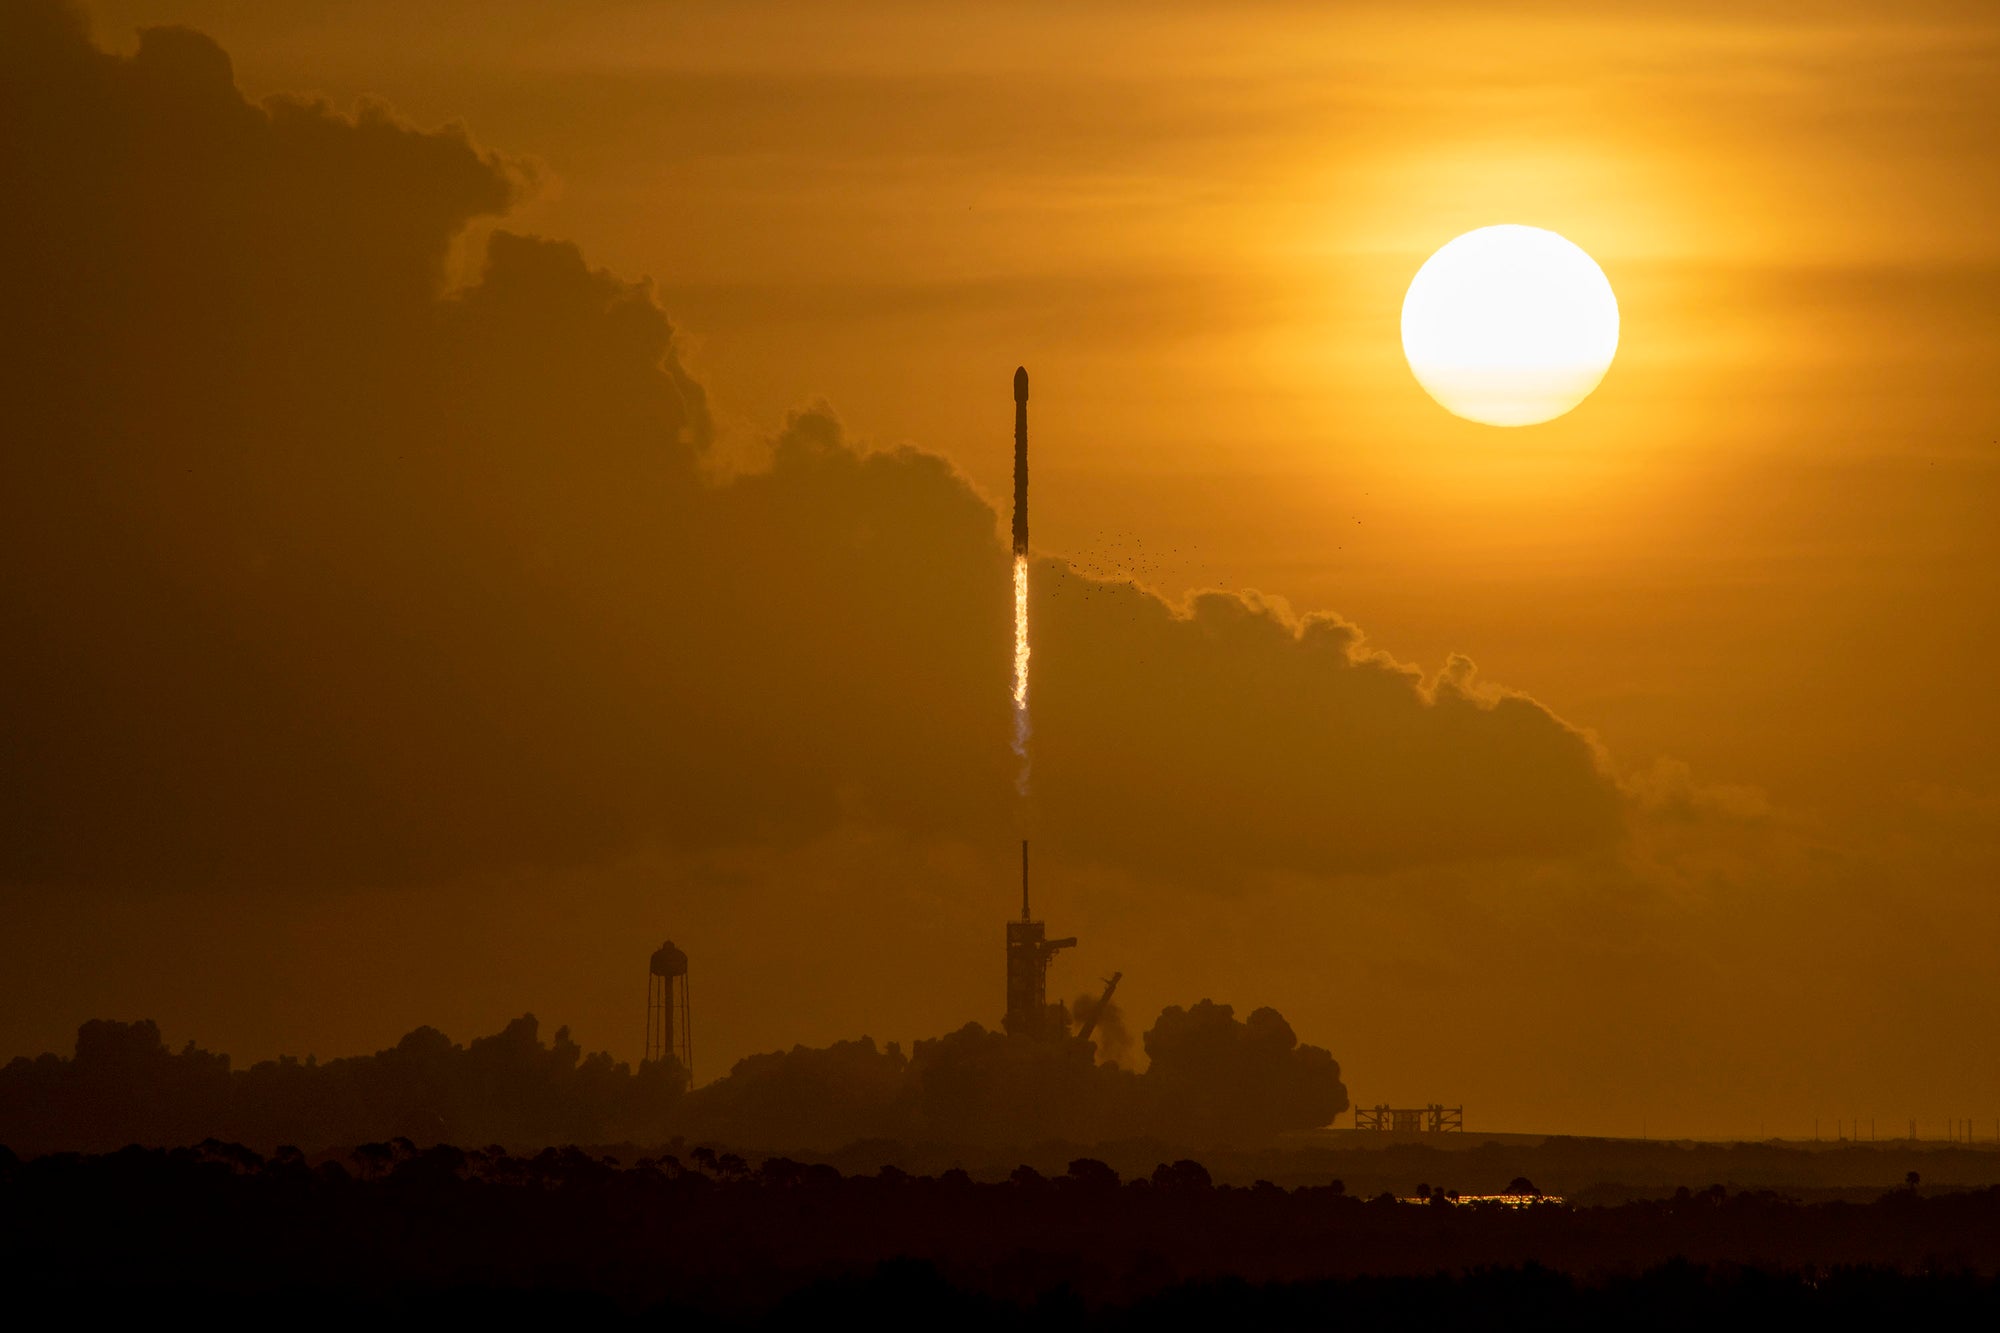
column 124, row 1085
column 442, row 1231
column 1212, row 1079
column 1583, row 1170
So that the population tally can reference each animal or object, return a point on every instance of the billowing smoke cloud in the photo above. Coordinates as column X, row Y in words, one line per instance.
column 843, row 1093
column 1214, row 1081
column 315, row 571
column 1226, row 1078
column 1114, row 1042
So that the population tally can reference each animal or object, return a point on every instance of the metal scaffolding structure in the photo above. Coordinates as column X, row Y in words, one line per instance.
column 1432, row 1119
column 1029, row 951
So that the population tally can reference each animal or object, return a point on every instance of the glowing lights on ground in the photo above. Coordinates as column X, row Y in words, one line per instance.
column 1486, row 1200
column 1510, row 326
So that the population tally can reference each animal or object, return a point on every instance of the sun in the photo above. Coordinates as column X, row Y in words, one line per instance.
column 1510, row 325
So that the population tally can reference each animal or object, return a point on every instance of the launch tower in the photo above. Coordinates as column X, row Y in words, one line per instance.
column 1029, row 952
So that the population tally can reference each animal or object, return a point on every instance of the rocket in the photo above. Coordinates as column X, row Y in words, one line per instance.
column 1021, row 461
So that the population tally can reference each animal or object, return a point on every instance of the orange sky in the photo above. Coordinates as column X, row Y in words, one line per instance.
column 1198, row 230
column 1756, row 566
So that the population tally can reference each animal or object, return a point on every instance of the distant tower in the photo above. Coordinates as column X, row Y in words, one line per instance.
column 667, row 1030
column 1029, row 952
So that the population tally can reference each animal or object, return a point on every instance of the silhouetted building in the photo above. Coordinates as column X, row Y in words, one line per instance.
column 1029, row 951
column 668, row 1026
column 1432, row 1119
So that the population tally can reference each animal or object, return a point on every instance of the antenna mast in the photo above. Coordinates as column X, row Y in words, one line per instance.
column 1024, row 879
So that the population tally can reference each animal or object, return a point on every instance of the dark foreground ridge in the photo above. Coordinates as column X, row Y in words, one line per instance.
column 443, row 1232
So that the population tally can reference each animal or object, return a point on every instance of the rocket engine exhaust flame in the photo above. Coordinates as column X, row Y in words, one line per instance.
column 1021, row 725
column 1021, row 669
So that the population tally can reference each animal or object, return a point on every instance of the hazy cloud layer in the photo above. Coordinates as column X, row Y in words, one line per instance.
column 314, row 571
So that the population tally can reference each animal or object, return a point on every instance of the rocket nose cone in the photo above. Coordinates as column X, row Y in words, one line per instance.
column 1020, row 384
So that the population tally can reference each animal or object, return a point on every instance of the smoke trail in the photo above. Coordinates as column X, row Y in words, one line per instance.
column 1021, row 727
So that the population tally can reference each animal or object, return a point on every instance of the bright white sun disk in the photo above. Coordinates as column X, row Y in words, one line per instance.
column 1510, row 325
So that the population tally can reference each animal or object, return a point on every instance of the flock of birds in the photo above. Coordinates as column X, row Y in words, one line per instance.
column 1115, row 563
column 1119, row 557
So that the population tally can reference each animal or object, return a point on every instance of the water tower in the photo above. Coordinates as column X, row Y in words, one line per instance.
column 667, row 1030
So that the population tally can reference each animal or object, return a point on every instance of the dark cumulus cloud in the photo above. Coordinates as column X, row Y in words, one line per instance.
column 315, row 570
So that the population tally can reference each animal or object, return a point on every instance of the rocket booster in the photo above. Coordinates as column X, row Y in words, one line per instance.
column 1021, row 461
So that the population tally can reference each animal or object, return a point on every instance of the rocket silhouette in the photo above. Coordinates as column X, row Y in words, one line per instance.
column 1020, row 460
